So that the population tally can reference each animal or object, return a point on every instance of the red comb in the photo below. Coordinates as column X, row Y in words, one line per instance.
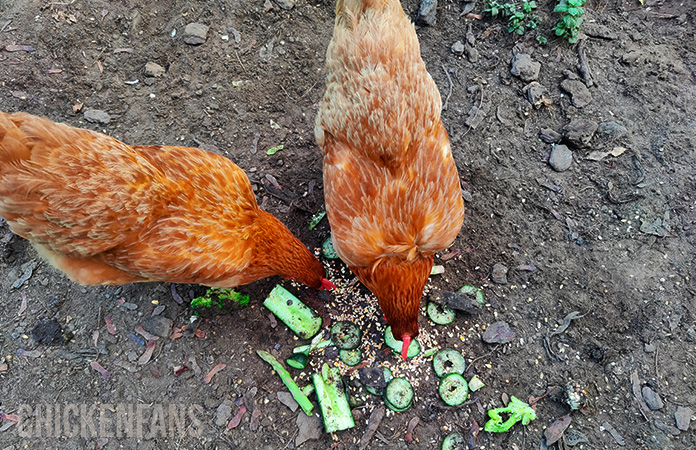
column 406, row 339
column 326, row 284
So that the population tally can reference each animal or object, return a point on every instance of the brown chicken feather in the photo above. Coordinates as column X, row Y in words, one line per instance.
column 392, row 190
column 107, row 213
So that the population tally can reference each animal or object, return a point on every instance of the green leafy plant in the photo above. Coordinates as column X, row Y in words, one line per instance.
column 520, row 17
column 218, row 298
column 568, row 25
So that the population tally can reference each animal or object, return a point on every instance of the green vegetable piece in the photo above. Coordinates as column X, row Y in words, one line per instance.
column 398, row 394
column 448, row 361
column 475, row 383
column 300, row 318
column 316, row 219
column 476, row 292
column 518, row 410
column 297, row 394
column 346, row 335
column 217, row 298
column 453, row 389
column 414, row 347
column 273, row 150
column 327, row 249
column 350, row 357
column 308, row 348
column 332, row 398
column 453, row 441
column 297, row 361
column 440, row 314
column 308, row 390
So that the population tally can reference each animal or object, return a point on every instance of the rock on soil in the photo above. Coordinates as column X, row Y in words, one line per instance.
column 223, row 413
column 683, row 417
column 579, row 94
column 286, row 4
column 154, row 70
column 652, row 399
column 536, row 94
column 158, row 325
column 426, row 13
column 550, row 136
column 458, row 48
column 499, row 274
column 97, row 116
column 195, row 33
column 524, row 67
column 309, row 428
column 579, row 132
column 48, row 331
column 498, row 333
column 561, row 158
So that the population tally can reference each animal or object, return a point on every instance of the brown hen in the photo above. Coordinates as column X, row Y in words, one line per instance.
column 391, row 186
column 107, row 213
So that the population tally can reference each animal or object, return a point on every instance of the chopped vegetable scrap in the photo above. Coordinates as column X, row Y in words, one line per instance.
column 518, row 411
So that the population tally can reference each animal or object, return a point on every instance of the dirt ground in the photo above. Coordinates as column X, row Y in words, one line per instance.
column 612, row 237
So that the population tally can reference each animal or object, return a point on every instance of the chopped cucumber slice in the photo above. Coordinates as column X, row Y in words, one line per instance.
column 308, row 347
column 399, row 394
column 448, row 361
column 413, row 349
column 297, row 361
column 327, row 249
column 475, row 292
column 475, row 383
column 332, row 398
column 379, row 390
column 440, row 314
column 300, row 318
column 453, row 441
column 453, row 389
column 350, row 357
column 346, row 335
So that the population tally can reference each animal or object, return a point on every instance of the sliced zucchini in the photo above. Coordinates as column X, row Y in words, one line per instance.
column 308, row 390
column 453, row 389
column 300, row 318
column 448, row 361
column 346, row 335
column 297, row 394
column 476, row 293
column 398, row 395
column 440, row 314
column 332, row 398
column 327, row 249
column 376, row 383
column 453, row 441
column 297, row 361
column 413, row 349
column 308, row 347
column 351, row 357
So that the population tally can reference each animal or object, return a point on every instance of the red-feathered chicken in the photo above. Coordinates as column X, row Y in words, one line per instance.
column 391, row 187
column 107, row 213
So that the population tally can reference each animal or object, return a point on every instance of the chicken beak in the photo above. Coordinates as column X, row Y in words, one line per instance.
column 406, row 339
column 326, row 284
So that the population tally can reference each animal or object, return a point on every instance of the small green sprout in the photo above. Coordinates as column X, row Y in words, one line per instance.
column 516, row 409
column 571, row 18
column 519, row 17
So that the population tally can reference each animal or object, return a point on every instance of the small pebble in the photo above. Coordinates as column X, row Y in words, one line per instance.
column 154, row 70
column 524, row 67
column 561, row 158
column 458, row 48
column 427, row 13
column 499, row 274
column 195, row 33
column 652, row 399
column 97, row 116
column 683, row 417
column 498, row 333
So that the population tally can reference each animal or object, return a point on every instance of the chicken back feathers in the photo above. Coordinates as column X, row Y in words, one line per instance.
column 108, row 213
column 392, row 190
